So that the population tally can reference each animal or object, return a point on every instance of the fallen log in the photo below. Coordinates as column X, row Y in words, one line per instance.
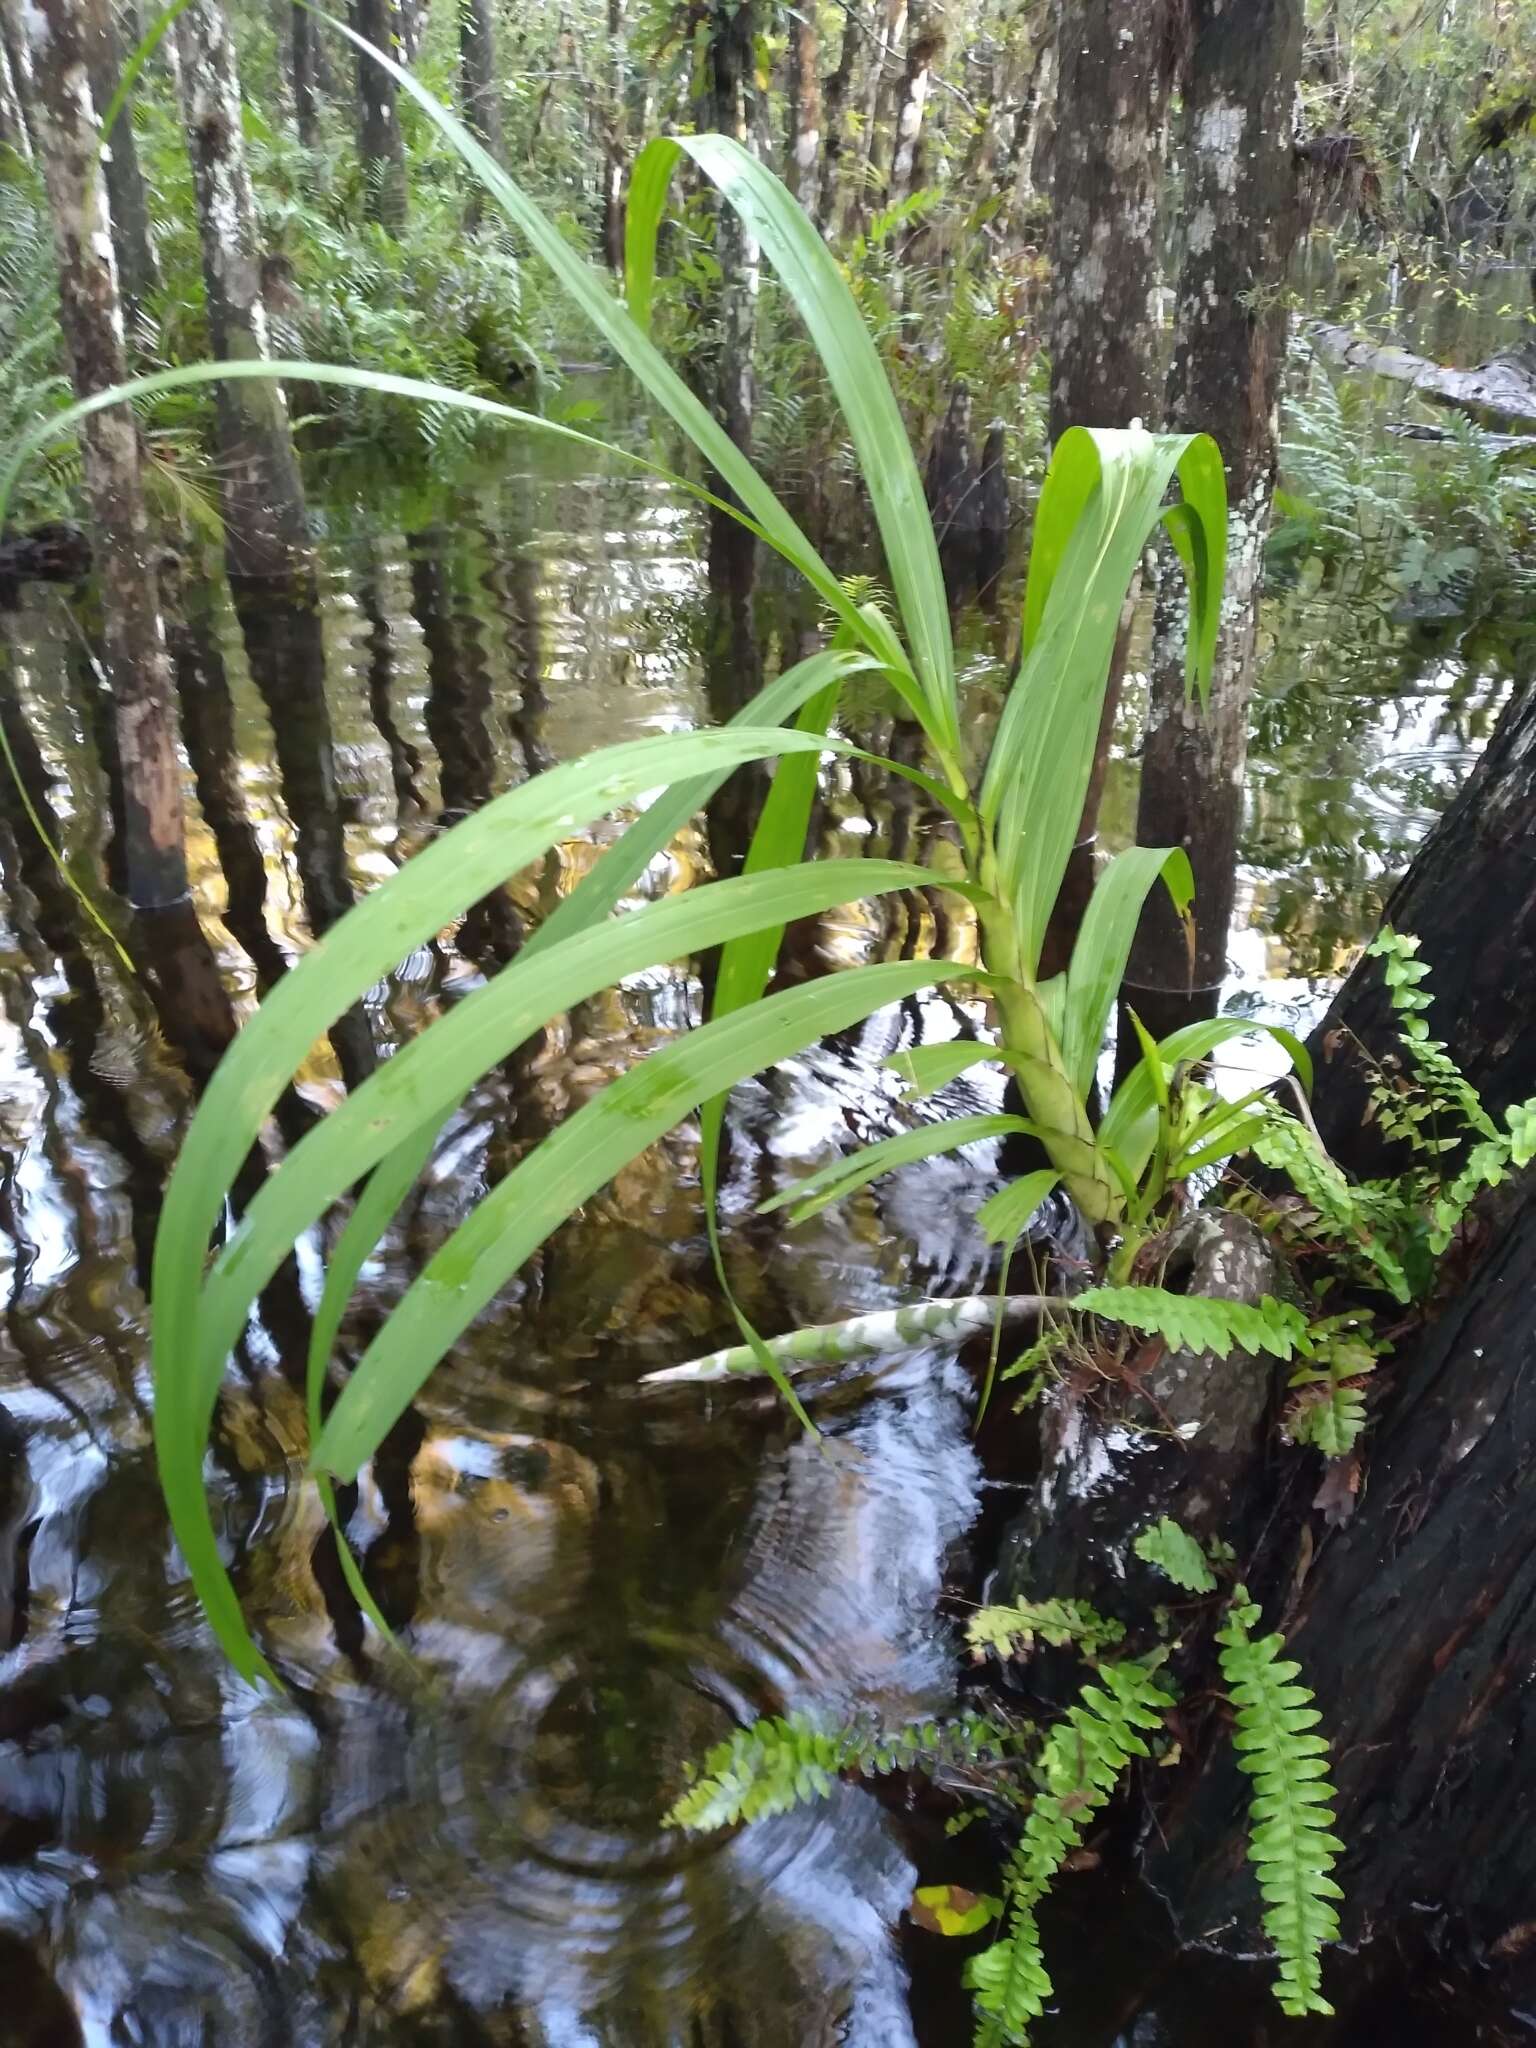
column 1504, row 386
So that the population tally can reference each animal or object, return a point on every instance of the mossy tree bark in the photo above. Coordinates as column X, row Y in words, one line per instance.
column 259, row 482
column 615, row 135
column 306, row 91
column 1240, row 220
column 803, row 167
column 57, row 37
column 477, row 74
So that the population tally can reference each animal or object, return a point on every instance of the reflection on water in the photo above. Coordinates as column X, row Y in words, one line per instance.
column 593, row 1584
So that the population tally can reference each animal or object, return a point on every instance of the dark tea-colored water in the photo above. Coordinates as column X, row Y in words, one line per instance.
column 594, row 1583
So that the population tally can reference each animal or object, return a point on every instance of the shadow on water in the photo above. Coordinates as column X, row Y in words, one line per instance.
column 594, row 1583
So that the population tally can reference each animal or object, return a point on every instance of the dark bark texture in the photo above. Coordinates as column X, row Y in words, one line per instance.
column 380, row 144
column 1240, row 218
column 1116, row 59
column 57, row 36
column 138, row 272
column 306, row 96
column 259, row 483
column 477, row 71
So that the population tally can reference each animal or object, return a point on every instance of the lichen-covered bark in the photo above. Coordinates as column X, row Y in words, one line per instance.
column 803, row 171
column 54, row 34
column 1115, row 59
column 138, row 271
column 259, row 481
column 14, row 131
column 379, row 142
column 923, row 46
column 835, row 112
column 1240, row 217
column 477, row 71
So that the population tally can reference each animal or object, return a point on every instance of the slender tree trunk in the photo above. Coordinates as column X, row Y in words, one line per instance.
column 888, row 37
column 836, row 112
column 477, row 74
column 726, row 110
column 924, row 44
column 263, row 497
column 1116, row 60
column 803, row 168
column 379, row 142
column 14, row 131
column 138, row 272
column 1229, row 351
column 56, row 35
column 306, row 96
column 615, row 136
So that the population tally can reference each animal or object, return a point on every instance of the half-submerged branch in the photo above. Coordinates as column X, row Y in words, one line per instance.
column 945, row 1321
column 1505, row 385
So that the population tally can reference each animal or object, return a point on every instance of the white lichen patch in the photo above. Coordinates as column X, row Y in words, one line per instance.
column 1218, row 140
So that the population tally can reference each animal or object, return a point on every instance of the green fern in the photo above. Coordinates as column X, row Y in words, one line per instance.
column 788, row 1760
column 1176, row 1554
column 1328, row 1408
column 1083, row 1760
column 1195, row 1322
column 1291, row 1804
column 1366, row 1223
column 1012, row 1630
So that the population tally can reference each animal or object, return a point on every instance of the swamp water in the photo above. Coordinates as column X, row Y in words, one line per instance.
column 595, row 1582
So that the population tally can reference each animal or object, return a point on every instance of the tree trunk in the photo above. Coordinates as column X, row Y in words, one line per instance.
column 615, row 137
column 923, row 46
column 836, row 110
column 1116, row 60
column 725, row 109
column 263, row 496
column 138, row 272
column 887, row 39
column 306, row 98
column 379, row 142
column 1240, row 216
column 15, row 134
column 803, row 169
column 477, row 71
column 56, row 35
column 1414, row 1617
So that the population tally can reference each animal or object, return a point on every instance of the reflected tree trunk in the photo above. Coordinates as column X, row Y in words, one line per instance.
column 263, row 497
column 404, row 760
column 1240, row 210
column 458, row 713
column 380, row 145
column 58, row 36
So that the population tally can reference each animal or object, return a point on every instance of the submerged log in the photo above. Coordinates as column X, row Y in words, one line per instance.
column 1505, row 385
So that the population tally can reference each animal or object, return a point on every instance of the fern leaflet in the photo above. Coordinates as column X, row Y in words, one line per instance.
column 1290, row 1806
column 1081, row 1764
column 1012, row 1630
column 1197, row 1322
column 1176, row 1555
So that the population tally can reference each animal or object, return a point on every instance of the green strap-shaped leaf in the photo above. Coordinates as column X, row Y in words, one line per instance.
column 813, row 279
column 808, row 1197
column 1130, row 1123
column 590, row 291
column 577, row 1159
column 1104, row 945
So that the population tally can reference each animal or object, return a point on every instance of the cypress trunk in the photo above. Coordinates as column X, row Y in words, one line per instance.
column 263, row 496
column 836, row 110
column 14, row 130
column 923, row 47
column 138, row 272
column 306, row 96
column 379, row 143
column 1116, row 60
column 615, row 137
column 1229, row 352
column 803, row 168
column 56, row 36
column 477, row 74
